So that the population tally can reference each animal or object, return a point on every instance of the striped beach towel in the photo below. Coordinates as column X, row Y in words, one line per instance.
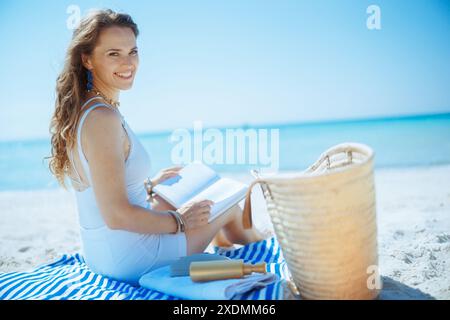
column 70, row 278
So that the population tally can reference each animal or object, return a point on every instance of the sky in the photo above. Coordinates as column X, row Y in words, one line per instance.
column 239, row 62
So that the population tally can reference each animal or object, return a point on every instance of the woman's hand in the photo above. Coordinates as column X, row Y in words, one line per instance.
column 165, row 174
column 196, row 214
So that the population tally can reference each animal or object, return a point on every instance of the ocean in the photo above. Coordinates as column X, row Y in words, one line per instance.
column 398, row 142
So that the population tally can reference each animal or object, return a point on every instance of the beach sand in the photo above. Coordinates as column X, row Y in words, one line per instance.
column 413, row 216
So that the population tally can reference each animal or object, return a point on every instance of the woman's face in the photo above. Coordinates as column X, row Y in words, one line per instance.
column 114, row 60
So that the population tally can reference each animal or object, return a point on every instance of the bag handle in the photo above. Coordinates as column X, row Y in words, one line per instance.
column 247, row 212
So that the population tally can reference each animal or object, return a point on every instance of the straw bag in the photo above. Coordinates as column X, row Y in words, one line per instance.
column 325, row 221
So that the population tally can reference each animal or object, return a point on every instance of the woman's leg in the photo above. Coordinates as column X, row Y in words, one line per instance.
column 225, row 230
column 234, row 230
column 231, row 224
column 220, row 240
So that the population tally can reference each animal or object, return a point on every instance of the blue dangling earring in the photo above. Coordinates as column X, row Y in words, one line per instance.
column 89, row 85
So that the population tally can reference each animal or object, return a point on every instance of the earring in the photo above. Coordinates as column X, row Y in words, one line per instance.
column 89, row 85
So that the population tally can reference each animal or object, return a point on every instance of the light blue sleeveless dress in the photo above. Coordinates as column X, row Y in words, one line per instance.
column 121, row 254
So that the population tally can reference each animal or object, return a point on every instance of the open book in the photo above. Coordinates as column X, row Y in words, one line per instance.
column 197, row 182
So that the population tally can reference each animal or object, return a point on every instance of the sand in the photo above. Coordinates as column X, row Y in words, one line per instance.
column 413, row 216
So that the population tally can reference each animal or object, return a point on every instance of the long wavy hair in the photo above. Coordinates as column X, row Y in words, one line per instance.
column 71, row 86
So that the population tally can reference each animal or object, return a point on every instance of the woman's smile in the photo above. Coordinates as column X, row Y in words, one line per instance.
column 124, row 75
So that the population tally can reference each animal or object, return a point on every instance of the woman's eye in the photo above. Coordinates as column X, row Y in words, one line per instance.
column 134, row 52
column 113, row 54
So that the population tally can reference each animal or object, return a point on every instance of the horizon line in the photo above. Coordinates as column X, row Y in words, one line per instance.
column 246, row 125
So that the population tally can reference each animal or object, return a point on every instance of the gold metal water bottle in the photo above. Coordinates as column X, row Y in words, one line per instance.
column 226, row 269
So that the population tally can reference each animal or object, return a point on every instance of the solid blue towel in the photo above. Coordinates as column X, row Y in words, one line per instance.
column 184, row 287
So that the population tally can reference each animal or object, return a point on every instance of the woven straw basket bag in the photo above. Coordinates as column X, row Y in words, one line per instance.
column 325, row 221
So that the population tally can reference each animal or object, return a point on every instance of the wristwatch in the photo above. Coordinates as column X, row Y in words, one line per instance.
column 149, row 188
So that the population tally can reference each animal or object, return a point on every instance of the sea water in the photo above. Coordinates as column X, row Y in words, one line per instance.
column 398, row 142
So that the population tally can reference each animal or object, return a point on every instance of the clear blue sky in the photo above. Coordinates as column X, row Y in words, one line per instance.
column 239, row 62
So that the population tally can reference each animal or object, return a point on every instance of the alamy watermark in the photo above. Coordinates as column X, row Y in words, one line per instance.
column 258, row 147
column 373, row 21
column 374, row 281
column 74, row 18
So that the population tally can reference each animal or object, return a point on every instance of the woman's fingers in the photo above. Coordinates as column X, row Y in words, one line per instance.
column 202, row 220
column 167, row 175
column 206, row 203
column 201, row 211
column 173, row 169
column 201, row 215
column 170, row 173
column 197, row 213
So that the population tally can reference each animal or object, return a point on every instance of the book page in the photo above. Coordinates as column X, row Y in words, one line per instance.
column 190, row 180
column 224, row 192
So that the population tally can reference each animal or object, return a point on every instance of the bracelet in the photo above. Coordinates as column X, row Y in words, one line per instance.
column 183, row 226
column 177, row 220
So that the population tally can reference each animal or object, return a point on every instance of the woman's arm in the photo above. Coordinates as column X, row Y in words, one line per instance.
column 103, row 138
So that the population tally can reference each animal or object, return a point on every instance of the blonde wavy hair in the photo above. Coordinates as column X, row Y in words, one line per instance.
column 71, row 86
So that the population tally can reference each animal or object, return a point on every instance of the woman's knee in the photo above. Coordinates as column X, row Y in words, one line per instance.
column 233, row 214
column 198, row 239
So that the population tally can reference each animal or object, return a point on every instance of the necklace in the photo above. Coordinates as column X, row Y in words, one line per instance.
column 115, row 104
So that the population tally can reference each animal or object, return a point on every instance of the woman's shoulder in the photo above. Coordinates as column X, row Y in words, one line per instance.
column 102, row 135
column 100, row 123
column 100, row 113
column 102, row 120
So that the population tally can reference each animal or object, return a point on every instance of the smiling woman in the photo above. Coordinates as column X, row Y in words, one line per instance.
column 113, row 67
column 123, row 235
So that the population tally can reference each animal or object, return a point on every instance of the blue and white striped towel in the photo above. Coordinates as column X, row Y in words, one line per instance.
column 70, row 278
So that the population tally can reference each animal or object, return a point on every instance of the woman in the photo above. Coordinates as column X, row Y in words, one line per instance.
column 123, row 235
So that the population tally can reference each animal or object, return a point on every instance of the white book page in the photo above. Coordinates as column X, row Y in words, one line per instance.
column 224, row 193
column 190, row 181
